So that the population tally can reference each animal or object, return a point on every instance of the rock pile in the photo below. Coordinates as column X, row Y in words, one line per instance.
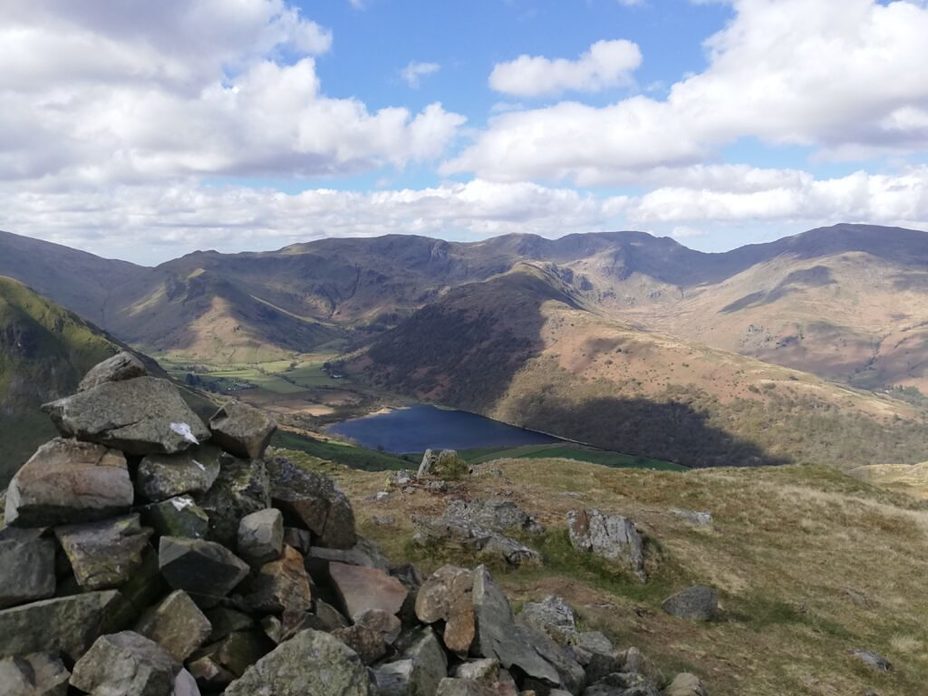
column 147, row 553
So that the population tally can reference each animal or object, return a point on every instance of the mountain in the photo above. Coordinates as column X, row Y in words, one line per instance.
column 526, row 348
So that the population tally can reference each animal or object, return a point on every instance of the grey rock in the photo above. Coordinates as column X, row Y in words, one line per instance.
column 386, row 625
column 104, row 554
column 300, row 539
column 162, row 476
column 241, row 488
column 429, row 458
column 571, row 675
column 487, row 544
column 363, row 553
column 622, row 684
column 499, row 637
column 873, row 660
column 394, row 678
column 463, row 687
column 697, row 603
column 554, row 617
column 205, row 570
column 429, row 662
column 144, row 415
column 447, row 595
column 38, row 674
column 367, row 643
column 126, row 664
column 311, row 662
column 314, row 501
column 27, row 569
column 694, row 517
column 68, row 481
column 219, row 663
column 176, row 624
column 279, row 586
column 361, row 588
column 261, row 536
column 121, row 366
column 686, row 684
column 330, row 618
column 177, row 517
column 612, row 537
column 185, row 684
column 242, row 430
column 224, row 621
column 494, row 514
column 486, row 669
column 63, row 624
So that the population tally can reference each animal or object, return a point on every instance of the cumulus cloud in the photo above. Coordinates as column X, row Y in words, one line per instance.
column 135, row 91
column 606, row 64
column 414, row 71
column 843, row 78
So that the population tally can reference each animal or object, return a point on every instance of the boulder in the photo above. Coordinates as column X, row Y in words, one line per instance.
column 571, row 675
column 225, row 620
column 697, row 603
column 499, row 637
column 176, row 624
column 311, row 662
column 63, row 624
column 429, row 662
column 139, row 416
column 429, row 457
column 612, row 537
column 464, row 687
column 361, row 589
column 242, row 430
column 177, row 517
column 38, row 674
column 329, row 617
column 696, row 518
column 447, row 595
column 387, row 626
column 68, row 481
column 27, row 567
column 241, row 488
column 312, row 501
column 554, row 617
column 127, row 664
column 162, row 476
column 121, row 366
column 495, row 514
column 279, row 586
column 686, row 684
column 104, row 554
column 219, row 663
column 261, row 536
column 873, row 660
column 366, row 642
column 206, row 570
column 395, row 678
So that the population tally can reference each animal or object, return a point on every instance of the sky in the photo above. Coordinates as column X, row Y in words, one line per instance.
column 146, row 130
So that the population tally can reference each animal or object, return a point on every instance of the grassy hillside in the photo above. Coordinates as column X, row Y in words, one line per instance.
column 524, row 348
column 44, row 352
column 810, row 564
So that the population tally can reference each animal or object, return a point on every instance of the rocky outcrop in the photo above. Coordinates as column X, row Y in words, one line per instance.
column 612, row 537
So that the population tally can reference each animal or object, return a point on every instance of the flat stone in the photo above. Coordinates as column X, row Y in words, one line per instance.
column 314, row 502
column 121, row 366
column 104, row 554
column 363, row 553
column 162, row 476
column 205, row 570
column 39, row 674
column 67, row 481
column 361, row 589
column 261, row 536
column 62, row 624
column 176, row 517
column 280, row 586
column 447, row 595
column 686, row 684
column 311, row 662
column 697, row 603
column 127, row 664
column 144, row 415
column 27, row 569
column 242, row 430
column 612, row 537
column 241, row 489
column 176, row 624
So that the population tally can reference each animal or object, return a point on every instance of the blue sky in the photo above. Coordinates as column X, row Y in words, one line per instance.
column 145, row 131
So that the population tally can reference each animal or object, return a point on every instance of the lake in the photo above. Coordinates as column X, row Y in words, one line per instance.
column 418, row 428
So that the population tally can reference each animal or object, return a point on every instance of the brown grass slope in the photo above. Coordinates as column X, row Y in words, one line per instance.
column 525, row 348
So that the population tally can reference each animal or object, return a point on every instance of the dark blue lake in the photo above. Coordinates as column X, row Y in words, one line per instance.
column 418, row 428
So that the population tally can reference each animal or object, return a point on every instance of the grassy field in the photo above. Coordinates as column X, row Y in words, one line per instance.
column 568, row 451
column 277, row 377
column 810, row 564
column 343, row 453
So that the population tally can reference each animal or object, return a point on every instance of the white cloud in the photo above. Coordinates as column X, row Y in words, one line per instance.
column 606, row 64
column 845, row 78
column 136, row 91
column 414, row 71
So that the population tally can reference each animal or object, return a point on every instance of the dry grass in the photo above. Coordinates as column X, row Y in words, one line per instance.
column 810, row 563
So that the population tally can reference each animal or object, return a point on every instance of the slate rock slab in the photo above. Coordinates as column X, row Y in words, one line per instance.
column 176, row 624
column 27, row 568
column 144, row 415
column 312, row 662
column 128, row 664
column 121, row 366
column 362, row 589
column 162, row 476
column 104, row 554
column 68, row 481
column 205, row 570
column 242, row 430
column 39, row 674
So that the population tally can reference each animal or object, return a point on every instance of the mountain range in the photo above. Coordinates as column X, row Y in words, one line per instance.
column 812, row 347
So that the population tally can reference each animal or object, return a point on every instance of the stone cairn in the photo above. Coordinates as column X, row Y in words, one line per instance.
column 146, row 553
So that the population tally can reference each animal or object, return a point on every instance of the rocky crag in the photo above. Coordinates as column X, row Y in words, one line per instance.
column 147, row 553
